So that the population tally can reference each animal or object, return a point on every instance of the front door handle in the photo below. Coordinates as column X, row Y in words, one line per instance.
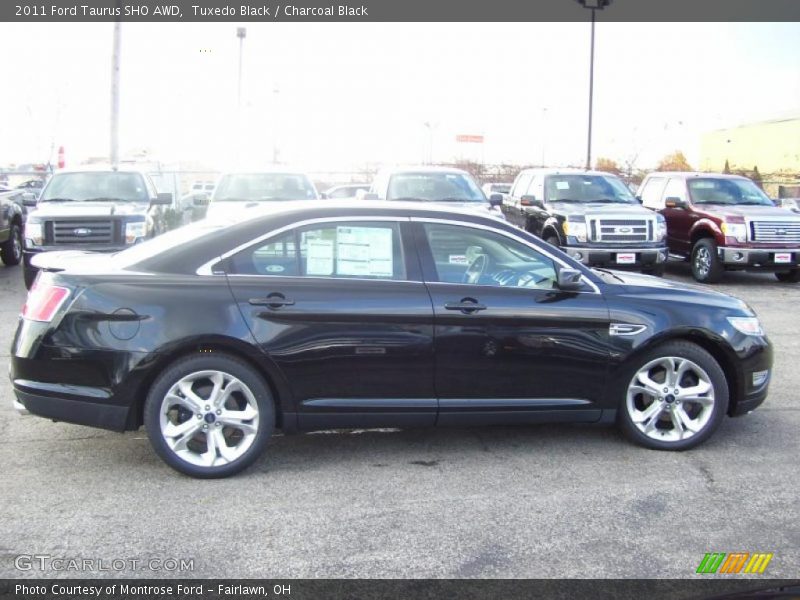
column 466, row 306
column 274, row 300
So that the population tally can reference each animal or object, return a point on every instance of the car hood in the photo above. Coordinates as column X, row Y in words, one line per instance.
column 481, row 208
column 230, row 209
column 599, row 209
column 665, row 290
column 749, row 212
column 50, row 210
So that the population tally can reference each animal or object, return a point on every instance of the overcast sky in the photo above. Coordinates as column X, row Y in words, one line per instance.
column 351, row 94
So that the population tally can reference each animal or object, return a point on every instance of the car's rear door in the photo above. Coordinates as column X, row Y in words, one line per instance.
column 510, row 346
column 339, row 307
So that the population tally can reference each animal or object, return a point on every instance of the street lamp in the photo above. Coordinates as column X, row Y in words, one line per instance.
column 592, row 5
column 241, row 33
column 430, row 127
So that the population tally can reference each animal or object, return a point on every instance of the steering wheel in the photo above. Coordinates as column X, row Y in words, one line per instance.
column 475, row 269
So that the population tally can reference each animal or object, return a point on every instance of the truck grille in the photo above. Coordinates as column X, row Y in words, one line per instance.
column 620, row 230
column 81, row 232
column 776, row 232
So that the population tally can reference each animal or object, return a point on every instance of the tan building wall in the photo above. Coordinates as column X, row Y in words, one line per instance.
column 772, row 146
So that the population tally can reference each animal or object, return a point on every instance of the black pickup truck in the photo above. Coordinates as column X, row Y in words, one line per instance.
column 591, row 215
column 103, row 210
column 12, row 218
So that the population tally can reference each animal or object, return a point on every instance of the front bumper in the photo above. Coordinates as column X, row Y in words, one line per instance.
column 618, row 257
column 758, row 257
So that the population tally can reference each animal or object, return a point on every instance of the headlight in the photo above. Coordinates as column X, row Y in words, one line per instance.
column 747, row 325
column 576, row 229
column 661, row 228
column 134, row 231
column 34, row 234
column 738, row 231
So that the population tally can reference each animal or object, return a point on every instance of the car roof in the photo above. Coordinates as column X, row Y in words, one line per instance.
column 423, row 169
column 566, row 171
column 690, row 174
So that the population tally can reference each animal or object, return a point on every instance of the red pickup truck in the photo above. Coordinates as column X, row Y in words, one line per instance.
column 724, row 222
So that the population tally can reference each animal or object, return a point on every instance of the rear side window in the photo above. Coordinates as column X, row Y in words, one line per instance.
column 361, row 250
column 651, row 193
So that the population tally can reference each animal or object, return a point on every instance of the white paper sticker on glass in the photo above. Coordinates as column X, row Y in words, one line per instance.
column 320, row 257
column 364, row 251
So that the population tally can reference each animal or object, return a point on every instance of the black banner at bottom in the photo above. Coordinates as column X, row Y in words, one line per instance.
column 405, row 589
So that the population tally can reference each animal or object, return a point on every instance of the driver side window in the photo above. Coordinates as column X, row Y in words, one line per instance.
column 464, row 254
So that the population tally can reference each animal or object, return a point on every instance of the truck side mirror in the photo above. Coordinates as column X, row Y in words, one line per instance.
column 163, row 198
column 529, row 200
column 675, row 202
column 496, row 200
column 29, row 200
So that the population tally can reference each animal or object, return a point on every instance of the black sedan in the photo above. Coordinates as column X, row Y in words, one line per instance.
column 315, row 316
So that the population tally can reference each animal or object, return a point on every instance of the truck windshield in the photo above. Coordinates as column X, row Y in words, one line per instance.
column 257, row 187
column 96, row 186
column 586, row 188
column 727, row 191
column 434, row 187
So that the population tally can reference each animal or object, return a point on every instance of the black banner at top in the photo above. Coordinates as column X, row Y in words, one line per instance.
column 396, row 10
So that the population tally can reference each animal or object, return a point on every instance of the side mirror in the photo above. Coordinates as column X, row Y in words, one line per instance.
column 569, row 279
column 163, row 198
column 639, row 199
column 201, row 200
column 496, row 200
column 675, row 202
column 528, row 200
column 323, row 195
column 370, row 196
column 29, row 200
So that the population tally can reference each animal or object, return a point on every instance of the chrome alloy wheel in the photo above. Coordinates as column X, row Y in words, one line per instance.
column 209, row 418
column 670, row 399
column 702, row 261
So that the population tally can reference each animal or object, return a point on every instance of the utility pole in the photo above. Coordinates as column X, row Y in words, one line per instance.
column 241, row 33
column 593, row 5
column 114, row 150
column 275, row 151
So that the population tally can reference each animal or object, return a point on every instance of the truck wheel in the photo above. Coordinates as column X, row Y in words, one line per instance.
column 792, row 276
column 12, row 249
column 706, row 265
column 657, row 271
column 552, row 239
column 675, row 397
column 29, row 275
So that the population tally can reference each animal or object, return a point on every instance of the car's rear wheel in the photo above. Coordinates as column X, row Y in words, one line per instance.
column 706, row 265
column 792, row 276
column 552, row 239
column 11, row 251
column 209, row 416
column 675, row 397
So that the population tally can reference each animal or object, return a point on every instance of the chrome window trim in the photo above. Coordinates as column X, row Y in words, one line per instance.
column 512, row 236
column 206, row 269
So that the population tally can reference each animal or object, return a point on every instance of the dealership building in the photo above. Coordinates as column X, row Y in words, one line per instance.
column 772, row 146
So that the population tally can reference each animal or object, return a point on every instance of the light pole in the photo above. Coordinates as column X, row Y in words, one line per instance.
column 430, row 126
column 114, row 147
column 592, row 5
column 544, row 137
column 241, row 33
column 275, row 151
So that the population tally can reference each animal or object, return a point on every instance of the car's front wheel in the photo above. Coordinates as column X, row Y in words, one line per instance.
column 792, row 276
column 209, row 415
column 706, row 265
column 675, row 397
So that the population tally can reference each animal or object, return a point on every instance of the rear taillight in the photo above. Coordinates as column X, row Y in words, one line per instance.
column 43, row 302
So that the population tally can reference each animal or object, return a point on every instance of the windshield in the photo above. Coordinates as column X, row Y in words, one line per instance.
column 586, row 188
column 96, row 186
column 434, row 187
column 727, row 191
column 259, row 187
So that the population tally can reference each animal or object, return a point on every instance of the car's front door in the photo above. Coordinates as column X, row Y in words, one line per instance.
column 510, row 346
column 339, row 307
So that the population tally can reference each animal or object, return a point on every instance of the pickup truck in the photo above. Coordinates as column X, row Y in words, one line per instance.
column 723, row 222
column 103, row 210
column 590, row 215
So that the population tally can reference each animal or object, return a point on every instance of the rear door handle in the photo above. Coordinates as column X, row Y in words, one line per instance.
column 466, row 306
column 274, row 300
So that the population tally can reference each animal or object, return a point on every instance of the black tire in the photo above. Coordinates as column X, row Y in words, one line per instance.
column 11, row 251
column 553, row 240
column 657, row 271
column 706, row 265
column 29, row 274
column 717, row 412
column 792, row 276
column 227, row 365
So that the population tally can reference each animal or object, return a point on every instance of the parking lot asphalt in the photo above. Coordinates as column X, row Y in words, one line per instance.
column 534, row 501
